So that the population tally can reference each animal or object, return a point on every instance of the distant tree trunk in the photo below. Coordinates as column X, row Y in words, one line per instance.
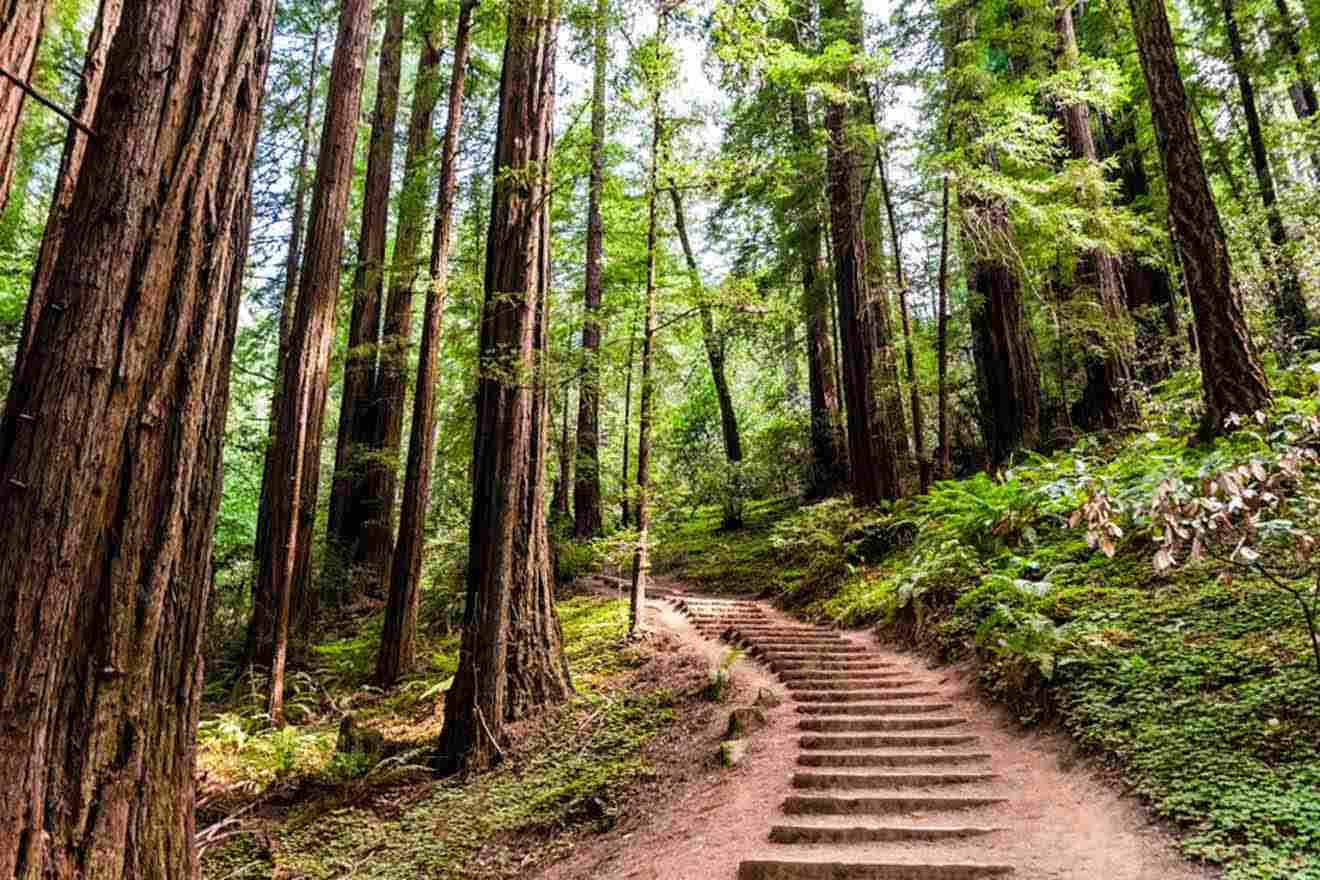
column 792, row 379
column 110, row 453
column 559, row 512
column 349, row 510
column 827, row 470
column 75, row 148
column 301, row 404
column 641, row 568
column 1232, row 380
column 512, row 658
column 871, row 454
column 909, row 355
column 1302, row 89
column 942, row 333
column 397, row 652
column 376, row 546
column 627, row 426
column 710, row 337
column 880, row 323
column 587, row 521
column 1106, row 400
column 1289, row 304
column 21, row 26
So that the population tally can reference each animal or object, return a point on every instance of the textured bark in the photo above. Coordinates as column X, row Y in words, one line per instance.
column 260, row 642
column 827, row 469
column 1231, row 377
column 398, row 638
column 909, row 355
column 292, row 476
column 880, row 322
column 511, row 660
column 1286, row 289
column 75, row 148
column 587, row 519
column 1106, row 400
column 1302, row 89
column 942, row 334
column 627, row 428
column 559, row 509
column 21, row 25
column 711, row 339
column 105, row 556
column 871, row 456
column 375, row 549
column 356, row 433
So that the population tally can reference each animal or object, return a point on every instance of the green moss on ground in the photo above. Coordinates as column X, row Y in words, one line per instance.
column 1202, row 693
column 565, row 771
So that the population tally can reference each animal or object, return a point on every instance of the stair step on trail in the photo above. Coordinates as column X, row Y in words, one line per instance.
column 829, row 725
column 872, row 708
column 888, row 759
column 818, row 779
column 793, row 870
column 836, row 805
column 799, row 833
column 886, row 741
column 847, row 684
column 859, row 696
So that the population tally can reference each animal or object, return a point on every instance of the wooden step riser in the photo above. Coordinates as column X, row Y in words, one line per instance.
column 790, row 649
column 824, row 805
column 875, row 725
column 811, row 834
column 886, row 741
column 904, row 759
column 873, row 708
column 811, row 685
column 888, row 781
column 830, row 666
column 786, row 870
column 866, row 696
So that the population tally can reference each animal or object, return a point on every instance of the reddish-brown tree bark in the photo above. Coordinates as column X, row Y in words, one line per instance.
column 21, row 25
column 511, row 660
column 349, row 510
column 1232, row 381
column 942, row 334
column 398, row 638
column 301, row 403
column 110, row 451
column 75, row 148
column 587, row 517
column 625, row 491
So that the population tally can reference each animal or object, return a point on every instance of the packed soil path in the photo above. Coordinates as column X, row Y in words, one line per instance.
column 876, row 767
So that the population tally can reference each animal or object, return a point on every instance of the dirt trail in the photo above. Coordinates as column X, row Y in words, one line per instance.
column 876, row 767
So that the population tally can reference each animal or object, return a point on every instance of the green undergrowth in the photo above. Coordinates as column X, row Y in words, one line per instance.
column 733, row 561
column 1199, row 690
column 563, row 771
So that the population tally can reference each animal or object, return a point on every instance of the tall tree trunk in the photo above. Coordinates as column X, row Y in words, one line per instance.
column 376, row 546
column 356, row 432
column 21, row 26
column 587, row 522
column 1232, row 381
column 106, row 552
column 827, row 470
column 942, row 333
column 1289, row 304
column 871, row 455
column 75, row 148
column 559, row 512
column 398, row 638
column 627, row 427
column 1302, row 89
column 641, row 568
column 881, row 324
column 792, row 378
column 710, row 337
column 909, row 355
column 512, row 658
column 295, row 465
column 260, row 640
column 1106, row 399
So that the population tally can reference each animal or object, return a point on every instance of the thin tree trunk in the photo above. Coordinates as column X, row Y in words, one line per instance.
column 942, row 334
column 588, row 521
column 1232, row 381
column 397, row 652
column 1289, row 304
column 641, row 569
column 1106, row 399
column 293, row 472
column 559, row 512
column 21, row 26
column 376, row 546
column 881, row 325
column 1302, row 89
column 511, row 660
column 627, row 426
column 356, row 432
column 75, row 149
column 106, row 552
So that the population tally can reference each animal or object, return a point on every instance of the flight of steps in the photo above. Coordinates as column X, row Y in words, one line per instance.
column 887, row 787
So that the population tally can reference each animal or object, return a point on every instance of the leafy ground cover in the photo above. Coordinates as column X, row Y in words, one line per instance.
column 1195, row 683
column 316, row 814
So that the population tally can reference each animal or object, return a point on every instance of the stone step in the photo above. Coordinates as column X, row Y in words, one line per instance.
column 872, row 708
column 887, row 833
column 887, row 741
column 851, row 696
column 812, row 779
column 770, row 869
column 833, row 805
column 849, row 683
column 888, row 759
column 876, row 725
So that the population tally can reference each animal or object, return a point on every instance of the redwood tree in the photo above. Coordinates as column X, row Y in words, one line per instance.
column 1232, row 381
column 511, row 660
column 397, row 645
column 105, row 555
column 282, row 570
column 21, row 24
